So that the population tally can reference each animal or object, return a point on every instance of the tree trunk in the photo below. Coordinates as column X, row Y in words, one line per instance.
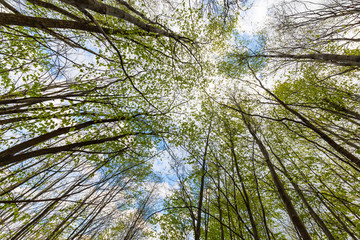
column 294, row 216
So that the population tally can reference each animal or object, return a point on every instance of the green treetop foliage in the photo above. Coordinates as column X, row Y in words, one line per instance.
column 284, row 158
column 88, row 89
column 261, row 132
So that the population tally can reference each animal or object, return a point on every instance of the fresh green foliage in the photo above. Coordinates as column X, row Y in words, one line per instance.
column 260, row 133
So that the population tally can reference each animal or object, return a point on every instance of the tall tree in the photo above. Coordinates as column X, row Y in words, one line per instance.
column 86, row 95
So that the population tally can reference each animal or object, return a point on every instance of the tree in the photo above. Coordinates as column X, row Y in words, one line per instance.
column 263, row 142
column 86, row 96
column 295, row 140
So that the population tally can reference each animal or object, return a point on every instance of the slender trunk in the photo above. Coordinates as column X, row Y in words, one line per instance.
column 64, row 148
column 337, row 217
column 8, row 19
column 57, row 9
column 294, row 216
column 246, row 199
column 342, row 109
column 259, row 197
column 202, row 187
column 336, row 59
column 42, row 138
column 219, row 206
column 316, row 217
column 105, row 9
column 307, row 123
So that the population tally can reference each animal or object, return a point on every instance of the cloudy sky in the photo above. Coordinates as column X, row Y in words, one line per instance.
column 255, row 18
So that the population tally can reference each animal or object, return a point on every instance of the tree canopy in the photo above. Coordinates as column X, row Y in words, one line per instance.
column 255, row 137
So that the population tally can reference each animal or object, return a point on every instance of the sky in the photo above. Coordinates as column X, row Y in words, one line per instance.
column 254, row 19
column 250, row 22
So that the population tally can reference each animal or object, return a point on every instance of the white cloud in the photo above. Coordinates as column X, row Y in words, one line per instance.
column 163, row 190
column 256, row 18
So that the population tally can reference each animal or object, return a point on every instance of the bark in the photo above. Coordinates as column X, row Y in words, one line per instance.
column 259, row 196
column 219, row 206
column 307, row 123
column 64, row 148
column 8, row 189
column 342, row 109
column 26, row 202
column 24, row 229
column 42, row 138
column 8, row 6
column 105, row 9
column 7, row 19
column 294, row 216
column 313, row 214
column 337, row 59
column 202, row 186
column 244, row 195
column 57, row 9
column 346, row 229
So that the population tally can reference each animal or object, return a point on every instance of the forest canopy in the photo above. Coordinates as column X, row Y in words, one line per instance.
column 167, row 120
